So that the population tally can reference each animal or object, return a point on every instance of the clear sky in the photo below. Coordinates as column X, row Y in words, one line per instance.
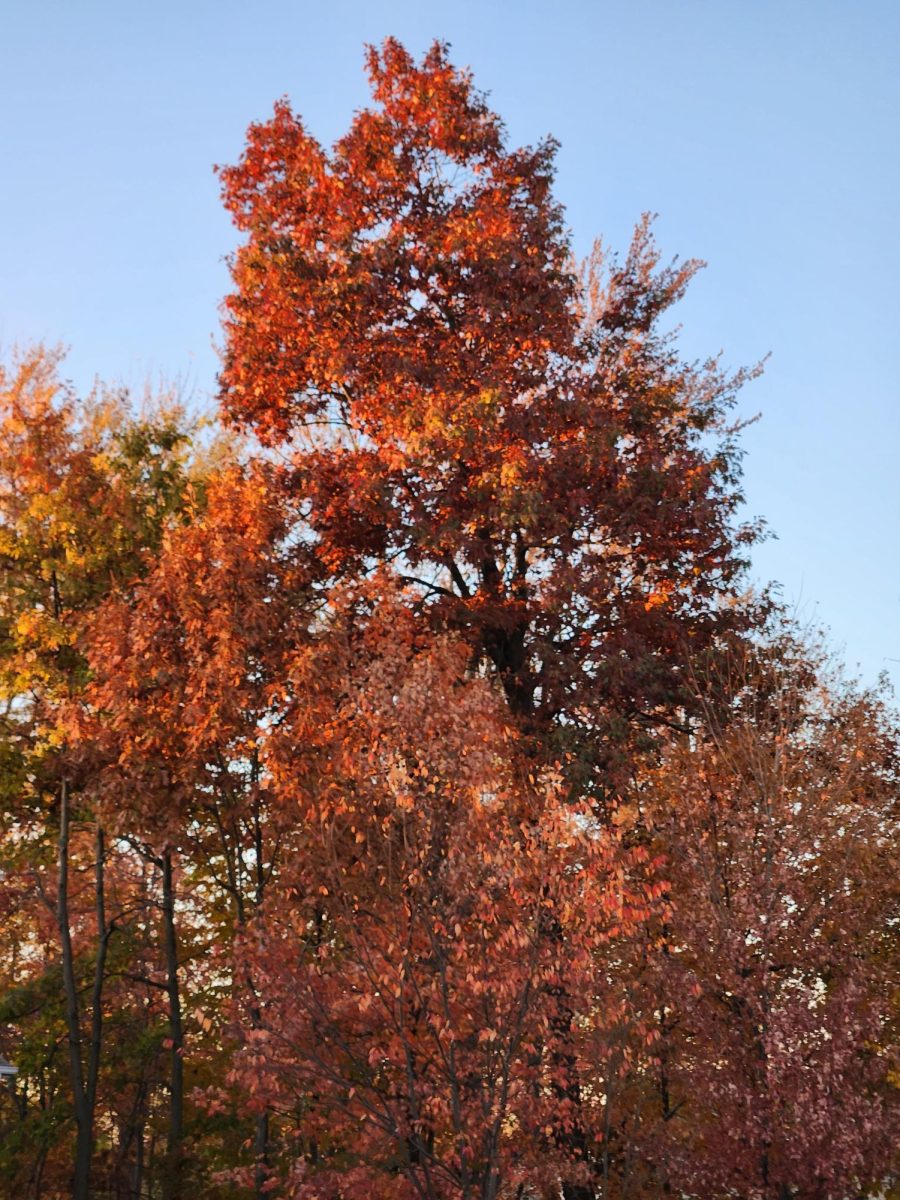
column 765, row 134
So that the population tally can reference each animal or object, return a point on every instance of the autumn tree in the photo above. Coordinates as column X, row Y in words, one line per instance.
column 85, row 490
column 520, row 439
column 772, row 980
column 404, row 802
column 411, row 995
column 188, row 674
column 517, row 439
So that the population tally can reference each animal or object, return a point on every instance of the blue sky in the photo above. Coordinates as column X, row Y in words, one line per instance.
column 763, row 132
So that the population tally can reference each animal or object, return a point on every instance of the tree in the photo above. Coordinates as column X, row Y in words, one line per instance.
column 84, row 493
column 411, row 996
column 772, row 987
column 383, row 813
column 519, row 440
column 189, row 671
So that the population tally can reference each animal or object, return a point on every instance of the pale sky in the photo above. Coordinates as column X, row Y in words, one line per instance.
column 763, row 132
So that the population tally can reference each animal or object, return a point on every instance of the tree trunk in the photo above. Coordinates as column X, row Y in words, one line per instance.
column 138, row 1178
column 172, row 1185
column 261, row 1153
column 103, row 936
column 261, row 1140
column 84, row 1134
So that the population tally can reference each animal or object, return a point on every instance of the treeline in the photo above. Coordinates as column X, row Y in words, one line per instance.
column 403, row 794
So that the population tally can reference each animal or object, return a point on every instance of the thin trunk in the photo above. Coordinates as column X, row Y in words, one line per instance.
column 103, row 936
column 84, row 1135
column 261, row 1130
column 151, row 1163
column 261, row 1153
column 172, row 1185
column 665, row 1096
column 570, row 1136
column 138, row 1181
column 261, row 1139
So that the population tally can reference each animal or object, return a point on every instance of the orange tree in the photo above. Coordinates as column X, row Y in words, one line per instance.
column 410, row 1028
column 520, row 439
column 516, row 439
column 188, row 678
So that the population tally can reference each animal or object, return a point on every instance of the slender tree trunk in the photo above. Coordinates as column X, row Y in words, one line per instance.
column 262, row 1126
column 103, row 935
column 151, row 1163
column 261, row 1153
column 172, row 1186
column 84, row 1134
column 138, row 1179
column 571, row 1137
column 261, row 1139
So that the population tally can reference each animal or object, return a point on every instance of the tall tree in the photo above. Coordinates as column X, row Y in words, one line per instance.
column 84, row 493
column 521, row 440
column 189, row 673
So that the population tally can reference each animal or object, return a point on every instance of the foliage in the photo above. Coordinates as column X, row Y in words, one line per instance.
column 409, row 800
column 520, row 440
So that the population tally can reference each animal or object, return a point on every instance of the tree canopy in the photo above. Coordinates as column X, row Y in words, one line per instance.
column 404, row 794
